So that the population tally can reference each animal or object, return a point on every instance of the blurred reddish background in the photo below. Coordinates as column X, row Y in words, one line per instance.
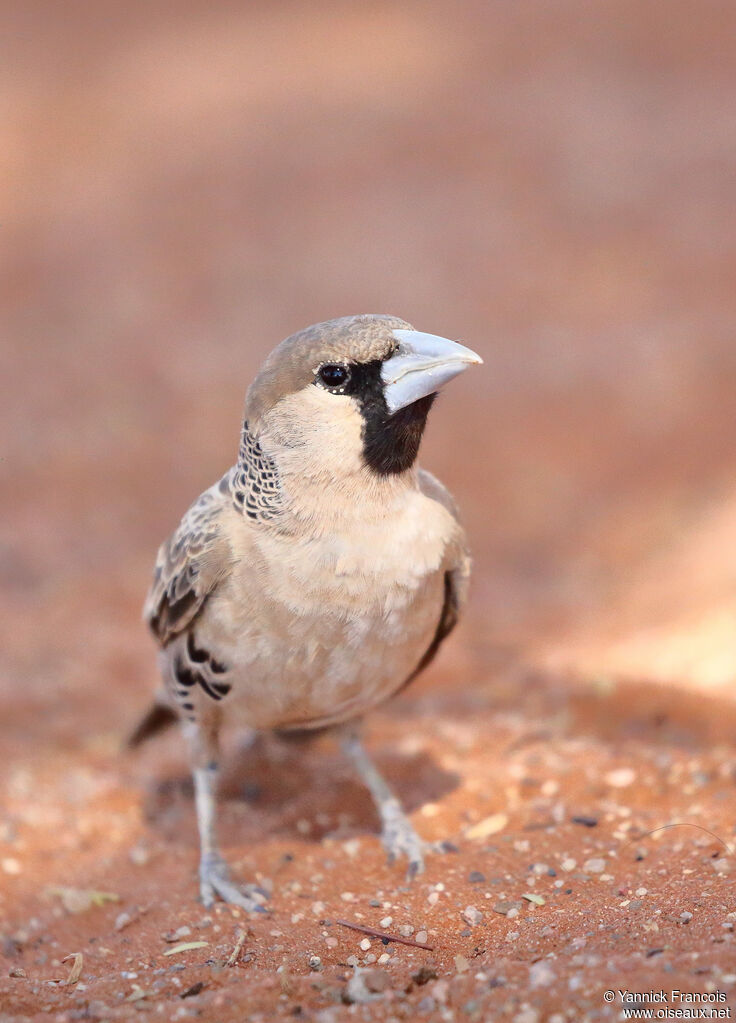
column 187, row 183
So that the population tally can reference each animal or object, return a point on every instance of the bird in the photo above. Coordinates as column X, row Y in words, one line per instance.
column 322, row 572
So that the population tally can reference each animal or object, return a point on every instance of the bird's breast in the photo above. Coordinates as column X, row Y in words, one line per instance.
column 319, row 629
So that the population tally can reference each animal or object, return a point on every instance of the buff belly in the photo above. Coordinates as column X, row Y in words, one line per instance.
column 297, row 667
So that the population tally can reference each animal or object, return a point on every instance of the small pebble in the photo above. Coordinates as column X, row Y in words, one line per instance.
column 541, row 974
column 461, row 964
column 569, row 864
column 387, row 921
column 586, row 822
column 440, row 990
column 620, row 778
column 595, row 865
column 421, row 936
column 475, row 877
column 472, row 916
column 365, row 944
column 505, row 908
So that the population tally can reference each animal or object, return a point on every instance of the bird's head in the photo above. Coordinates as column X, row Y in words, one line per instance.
column 351, row 394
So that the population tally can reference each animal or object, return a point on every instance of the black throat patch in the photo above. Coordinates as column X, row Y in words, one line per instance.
column 390, row 442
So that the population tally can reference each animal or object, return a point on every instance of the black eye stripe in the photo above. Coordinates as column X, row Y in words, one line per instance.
column 333, row 375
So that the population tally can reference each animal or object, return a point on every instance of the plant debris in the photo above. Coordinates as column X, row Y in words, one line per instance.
column 538, row 900
column 237, row 949
column 384, row 936
column 193, row 990
column 488, row 826
column 76, row 970
column 79, row 900
column 185, row 946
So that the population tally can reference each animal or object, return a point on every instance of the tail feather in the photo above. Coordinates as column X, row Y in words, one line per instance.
column 157, row 719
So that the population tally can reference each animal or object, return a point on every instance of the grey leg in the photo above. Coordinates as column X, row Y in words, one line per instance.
column 213, row 872
column 398, row 836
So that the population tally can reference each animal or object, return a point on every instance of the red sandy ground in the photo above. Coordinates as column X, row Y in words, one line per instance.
column 553, row 183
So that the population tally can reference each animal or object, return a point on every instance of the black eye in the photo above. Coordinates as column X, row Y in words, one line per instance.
column 333, row 375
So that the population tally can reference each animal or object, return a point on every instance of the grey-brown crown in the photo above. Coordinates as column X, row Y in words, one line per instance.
column 291, row 365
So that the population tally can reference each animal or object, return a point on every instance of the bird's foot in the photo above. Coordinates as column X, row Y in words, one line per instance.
column 214, row 880
column 400, row 839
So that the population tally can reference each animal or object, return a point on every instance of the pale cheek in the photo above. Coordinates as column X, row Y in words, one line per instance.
column 317, row 431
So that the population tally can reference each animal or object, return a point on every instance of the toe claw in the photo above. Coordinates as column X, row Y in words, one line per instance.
column 446, row 847
column 415, row 867
column 214, row 880
column 400, row 839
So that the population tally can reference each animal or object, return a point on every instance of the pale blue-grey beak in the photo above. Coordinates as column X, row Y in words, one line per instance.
column 421, row 365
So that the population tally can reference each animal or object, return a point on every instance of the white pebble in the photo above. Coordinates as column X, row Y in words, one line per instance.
column 620, row 778
column 541, row 974
column 472, row 916
column 365, row 944
column 596, row 865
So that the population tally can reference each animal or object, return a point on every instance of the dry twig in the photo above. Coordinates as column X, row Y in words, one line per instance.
column 384, row 936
